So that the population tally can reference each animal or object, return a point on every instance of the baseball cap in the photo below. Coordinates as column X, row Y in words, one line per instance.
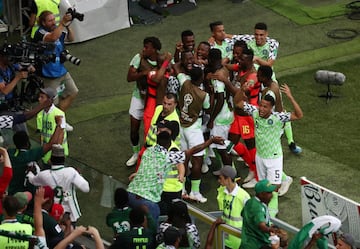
column 264, row 186
column 226, row 171
column 57, row 211
column 57, row 150
column 348, row 239
column 23, row 198
column 171, row 125
column 51, row 93
column 172, row 234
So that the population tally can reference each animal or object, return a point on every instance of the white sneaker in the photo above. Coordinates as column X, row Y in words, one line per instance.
column 68, row 127
column 285, row 185
column 250, row 176
column 204, row 168
column 197, row 196
column 132, row 160
column 250, row 184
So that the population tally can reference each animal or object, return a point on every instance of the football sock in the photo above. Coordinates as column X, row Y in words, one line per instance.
column 195, row 185
column 288, row 132
column 274, row 205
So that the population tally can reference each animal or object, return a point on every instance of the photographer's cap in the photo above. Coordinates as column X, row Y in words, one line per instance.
column 226, row 171
column 48, row 91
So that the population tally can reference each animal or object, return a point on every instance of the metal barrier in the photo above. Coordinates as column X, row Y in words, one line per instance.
column 210, row 217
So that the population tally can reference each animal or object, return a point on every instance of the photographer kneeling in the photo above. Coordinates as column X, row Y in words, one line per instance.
column 10, row 75
column 54, row 73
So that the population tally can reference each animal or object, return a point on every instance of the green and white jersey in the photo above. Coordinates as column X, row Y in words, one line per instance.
column 135, row 62
column 155, row 164
column 225, row 116
column 268, row 132
column 225, row 48
column 118, row 220
column 266, row 52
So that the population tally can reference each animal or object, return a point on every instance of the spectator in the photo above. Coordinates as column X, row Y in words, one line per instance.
column 24, row 199
column 141, row 234
column 345, row 241
column 11, row 207
column 64, row 180
column 210, row 236
column 172, row 238
column 178, row 216
column 54, row 234
column 23, row 156
column 256, row 219
column 7, row 174
column 118, row 219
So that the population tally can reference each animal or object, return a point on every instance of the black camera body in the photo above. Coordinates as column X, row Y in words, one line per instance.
column 75, row 15
column 30, row 53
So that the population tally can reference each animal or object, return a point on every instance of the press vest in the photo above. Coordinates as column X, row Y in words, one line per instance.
column 46, row 124
column 191, row 101
column 232, row 206
column 151, row 135
column 50, row 5
column 172, row 183
column 6, row 242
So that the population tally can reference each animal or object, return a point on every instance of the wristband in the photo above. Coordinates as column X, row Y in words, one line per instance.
column 165, row 64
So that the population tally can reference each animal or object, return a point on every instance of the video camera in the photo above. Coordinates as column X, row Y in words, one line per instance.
column 27, row 53
column 74, row 14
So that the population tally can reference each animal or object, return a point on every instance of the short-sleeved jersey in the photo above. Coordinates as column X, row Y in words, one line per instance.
column 225, row 48
column 268, row 51
column 118, row 220
column 268, row 132
column 191, row 231
column 64, row 181
column 225, row 116
column 54, row 234
column 142, row 238
column 156, row 162
column 135, row 62
column 254, row 213
column 20, row 160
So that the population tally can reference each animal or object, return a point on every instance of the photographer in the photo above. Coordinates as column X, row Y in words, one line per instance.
column 39, row 6
column 9, row 77
column 54, row 73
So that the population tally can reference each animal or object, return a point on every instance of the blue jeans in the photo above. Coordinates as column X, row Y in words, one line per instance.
column 137, row 201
